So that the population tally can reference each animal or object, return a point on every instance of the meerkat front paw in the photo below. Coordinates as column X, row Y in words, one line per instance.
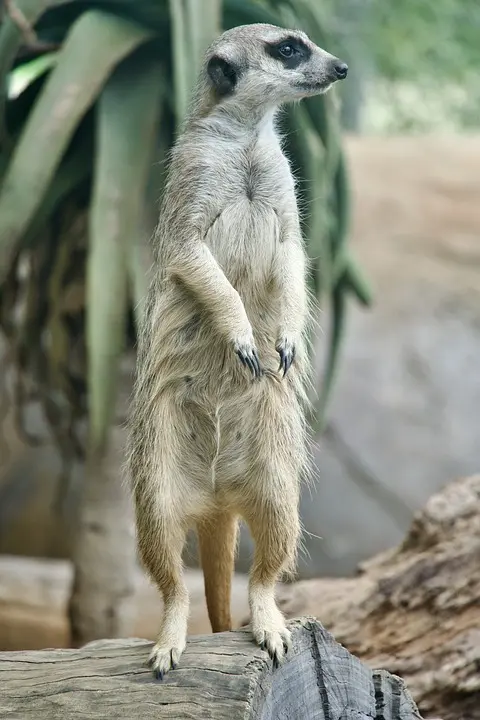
column 286, row 349
column 164, row 658
column 247, row 352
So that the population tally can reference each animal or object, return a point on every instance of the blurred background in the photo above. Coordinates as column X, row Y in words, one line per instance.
column 92, row 93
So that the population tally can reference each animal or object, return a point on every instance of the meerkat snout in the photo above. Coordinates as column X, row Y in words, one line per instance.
column 341, row 70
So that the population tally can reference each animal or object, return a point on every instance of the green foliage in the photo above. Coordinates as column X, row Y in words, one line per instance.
column 414, row 64
column 127, row 124
column 86, row 113
column 435, row 39
column 429, row 54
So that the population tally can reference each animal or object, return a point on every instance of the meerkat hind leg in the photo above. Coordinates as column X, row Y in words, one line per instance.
column 274, row 530
column 172, row 637
column 161, row 537
column 271, row 511
column 170, row 495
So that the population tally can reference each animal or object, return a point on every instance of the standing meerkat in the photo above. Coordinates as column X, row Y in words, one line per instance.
column 217, row 428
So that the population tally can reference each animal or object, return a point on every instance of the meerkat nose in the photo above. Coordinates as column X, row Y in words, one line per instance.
column 341, row 70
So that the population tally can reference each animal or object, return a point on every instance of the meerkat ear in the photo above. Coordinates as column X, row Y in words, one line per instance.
column 223, row 75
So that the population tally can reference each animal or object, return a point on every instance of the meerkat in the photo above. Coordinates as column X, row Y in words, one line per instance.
column 218, row 427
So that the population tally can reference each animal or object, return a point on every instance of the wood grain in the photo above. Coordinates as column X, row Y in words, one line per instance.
column 220, row 676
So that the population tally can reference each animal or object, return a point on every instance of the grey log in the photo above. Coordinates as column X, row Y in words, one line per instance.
column 220, row 676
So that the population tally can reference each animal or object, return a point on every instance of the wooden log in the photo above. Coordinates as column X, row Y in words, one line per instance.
column 220, row 676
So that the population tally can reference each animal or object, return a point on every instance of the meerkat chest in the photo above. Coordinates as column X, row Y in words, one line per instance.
column 245, row 234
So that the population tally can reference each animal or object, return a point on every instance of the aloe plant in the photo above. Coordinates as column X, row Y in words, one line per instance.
column 91, row 95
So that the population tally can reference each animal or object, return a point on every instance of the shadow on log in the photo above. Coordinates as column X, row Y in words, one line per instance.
column 220, row 676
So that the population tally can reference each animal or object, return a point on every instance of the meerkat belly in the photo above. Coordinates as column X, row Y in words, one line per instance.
column 243, row 239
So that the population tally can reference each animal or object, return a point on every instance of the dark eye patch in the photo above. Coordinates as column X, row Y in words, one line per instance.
column 291, row 52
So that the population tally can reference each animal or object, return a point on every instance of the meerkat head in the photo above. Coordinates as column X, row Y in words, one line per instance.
column 264, row 65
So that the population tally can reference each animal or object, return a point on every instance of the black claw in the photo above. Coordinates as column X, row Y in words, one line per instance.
column 250, row 365
column 242, row 359
column 172, row 661
column 251, row 361
column 286, row 359
column 158, row 675
column 258, row 367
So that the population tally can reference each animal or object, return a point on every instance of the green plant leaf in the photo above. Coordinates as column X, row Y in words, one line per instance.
column 20, row 78
column 318, row 227
column 96, row 43
column 194, row 26
column 128, row 113
column 181, row 58
column 10, row 41
column 356, row 283
column 73, row 170
column 339, row 235
column 205, row 26
column 244, row 12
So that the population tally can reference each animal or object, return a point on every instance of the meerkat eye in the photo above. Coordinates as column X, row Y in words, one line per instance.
column 286, row 51
column 291, row 52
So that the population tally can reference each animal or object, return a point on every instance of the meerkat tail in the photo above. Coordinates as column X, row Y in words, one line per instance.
column 217, row 541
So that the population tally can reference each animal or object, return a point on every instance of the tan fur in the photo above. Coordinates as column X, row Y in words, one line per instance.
column 208, row 443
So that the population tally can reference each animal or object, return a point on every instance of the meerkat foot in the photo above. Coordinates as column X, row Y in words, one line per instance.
column 275, row 642
column 171, row 641
column 164, row 658
column 271, row 634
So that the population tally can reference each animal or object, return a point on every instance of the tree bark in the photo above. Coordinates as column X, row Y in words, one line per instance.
column 104, row 557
